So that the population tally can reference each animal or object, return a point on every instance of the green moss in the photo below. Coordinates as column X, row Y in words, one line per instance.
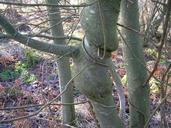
column 22, row 69
column 31, row 57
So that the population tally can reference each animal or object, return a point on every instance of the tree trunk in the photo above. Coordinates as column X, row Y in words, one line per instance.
column 92, row 60
column 64, row 72
column 96, row 84
column 99, row 23
column 135, row 66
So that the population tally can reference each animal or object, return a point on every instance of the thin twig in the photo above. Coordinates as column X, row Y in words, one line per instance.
column 51, row 5
column 166, row 23
column 50, row 102
column 37, row 105
column 163, row 90
column 44, row 36
column 158, row 2
column 163, row 100
column 131, row 29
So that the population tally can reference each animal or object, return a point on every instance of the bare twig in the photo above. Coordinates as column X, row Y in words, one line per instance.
column 44, row 36
column 163, row 100
column 163, row 90
column 166, row 23
column 166, row 72
column 161, row 3
column 131, row 29
column 39, row 45
column 37, row 105
column 50, row 102
column 51, row 5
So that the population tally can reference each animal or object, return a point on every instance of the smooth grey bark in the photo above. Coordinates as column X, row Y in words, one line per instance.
column 135, row 66
column 100, row 40
column 96, row 84
column 64, row 72
column 119, row 87
column 99, row 23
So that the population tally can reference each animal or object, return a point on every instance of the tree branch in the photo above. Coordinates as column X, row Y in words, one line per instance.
column 44, row 36
column 119, row 87
column 51, row 5
column 39, row 45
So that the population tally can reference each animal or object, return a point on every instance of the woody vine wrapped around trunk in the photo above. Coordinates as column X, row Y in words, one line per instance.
column 99, row 23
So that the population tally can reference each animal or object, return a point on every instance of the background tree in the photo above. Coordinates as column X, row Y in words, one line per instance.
column 50, row 27
column 138, row 93
column 64, row 71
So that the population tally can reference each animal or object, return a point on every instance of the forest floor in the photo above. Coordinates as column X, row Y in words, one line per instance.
column 29, row 79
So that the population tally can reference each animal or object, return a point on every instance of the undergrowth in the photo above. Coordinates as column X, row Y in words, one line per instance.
column 21, row 68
